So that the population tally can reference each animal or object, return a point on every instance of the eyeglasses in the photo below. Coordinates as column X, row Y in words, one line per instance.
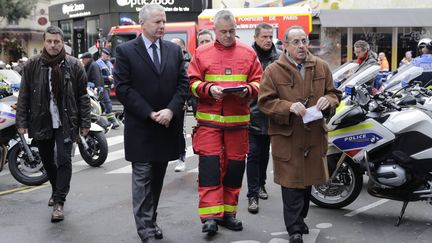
column 297, row 42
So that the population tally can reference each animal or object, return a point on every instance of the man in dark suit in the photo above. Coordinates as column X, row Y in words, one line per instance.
column 152, row 85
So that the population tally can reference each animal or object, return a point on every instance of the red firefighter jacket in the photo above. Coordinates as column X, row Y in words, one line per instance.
column 215, row 64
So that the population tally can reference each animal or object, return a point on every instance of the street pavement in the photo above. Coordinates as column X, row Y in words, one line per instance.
column 99, row 209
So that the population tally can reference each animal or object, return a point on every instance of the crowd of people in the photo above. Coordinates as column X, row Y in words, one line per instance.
column 245, row 99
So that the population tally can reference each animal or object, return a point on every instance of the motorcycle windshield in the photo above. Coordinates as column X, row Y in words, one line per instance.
column 404, row 75
column 344, row 72
column 365, row 75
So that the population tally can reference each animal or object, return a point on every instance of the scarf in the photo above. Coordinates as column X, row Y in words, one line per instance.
column 56, row 75
column 360, row 60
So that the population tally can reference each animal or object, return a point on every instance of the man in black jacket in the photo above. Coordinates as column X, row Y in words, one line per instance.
column 259, row 141
column 53, row 106
column 94, row 76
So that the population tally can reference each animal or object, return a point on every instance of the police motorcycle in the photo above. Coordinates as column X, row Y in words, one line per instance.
column 21, row 153
column 374, row 135
column 94, row 147
column 342, row 73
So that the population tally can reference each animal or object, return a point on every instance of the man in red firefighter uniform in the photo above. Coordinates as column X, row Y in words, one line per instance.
column 221, row 136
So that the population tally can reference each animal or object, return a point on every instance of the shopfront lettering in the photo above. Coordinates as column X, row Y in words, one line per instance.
column 70, row 8
column 416, row 35
column 134, row 3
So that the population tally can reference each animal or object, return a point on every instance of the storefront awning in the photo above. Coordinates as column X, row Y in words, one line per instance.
column 376, row 18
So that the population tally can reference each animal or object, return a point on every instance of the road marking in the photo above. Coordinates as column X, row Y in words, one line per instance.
column 309, row 238
column 193, row 170
column 324, row 225
column 34, row 188
column 15, row 190
column 367, row 207
column 123, row 170
column 111, row 142
column 128, row 169
column 118, row 154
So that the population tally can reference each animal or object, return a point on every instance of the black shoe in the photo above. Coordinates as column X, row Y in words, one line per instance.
column 304, row 229
column 50, row 202
column 262, row 193
column 296, row 238
column 158, row 232
column 210, row 227
column 230, row 222
column 253, row 205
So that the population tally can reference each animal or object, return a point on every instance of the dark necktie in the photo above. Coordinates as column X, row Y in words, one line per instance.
column 155, row 57
column 299, row 67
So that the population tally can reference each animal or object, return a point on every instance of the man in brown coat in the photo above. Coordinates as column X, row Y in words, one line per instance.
column 291, row 84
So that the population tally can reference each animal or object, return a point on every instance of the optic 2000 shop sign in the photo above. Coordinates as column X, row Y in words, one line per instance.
column 169, row 5
column 78, row 9
column 75, row 10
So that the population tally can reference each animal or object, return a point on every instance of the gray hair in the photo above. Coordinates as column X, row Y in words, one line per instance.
column 294, row 27
column 362, row 44
column 147, row 9
column 261, row 26
column 206, row 32
column 224, row 14
column 54, row 30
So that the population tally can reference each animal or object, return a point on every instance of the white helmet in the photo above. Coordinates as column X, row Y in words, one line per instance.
column 423, row 42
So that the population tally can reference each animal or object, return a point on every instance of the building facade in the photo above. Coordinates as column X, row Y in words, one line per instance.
column 85, row 21
column 23, row 38
column 389, row 26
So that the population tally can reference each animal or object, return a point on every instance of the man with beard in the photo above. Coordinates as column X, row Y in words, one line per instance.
column 53, row 107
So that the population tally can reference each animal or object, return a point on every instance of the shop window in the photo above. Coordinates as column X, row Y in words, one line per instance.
column 408, row 38
column 379, row 39
column 66, row 26
column 92, row 32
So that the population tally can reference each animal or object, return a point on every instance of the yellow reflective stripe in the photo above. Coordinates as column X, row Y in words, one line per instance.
column 226, row 78
column 230, row 208
column 350, row 129
column 194, row 87
column 256, row 84
column 211, row 210
column 341, row 107
column 222, row 119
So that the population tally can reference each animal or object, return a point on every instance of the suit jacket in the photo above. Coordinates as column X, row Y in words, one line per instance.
column 142, row 89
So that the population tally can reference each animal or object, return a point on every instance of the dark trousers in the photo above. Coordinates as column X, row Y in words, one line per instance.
column 147, row 182
column 59, row 170
column 106, row 100
column 295, row 208
column 257, row 161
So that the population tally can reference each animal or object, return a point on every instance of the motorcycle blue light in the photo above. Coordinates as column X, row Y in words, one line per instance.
column 349, row 90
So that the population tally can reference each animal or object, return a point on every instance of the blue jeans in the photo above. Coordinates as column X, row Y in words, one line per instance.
column 257, row 161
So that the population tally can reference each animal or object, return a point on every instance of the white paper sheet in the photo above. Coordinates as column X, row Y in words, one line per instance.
column 312, row 114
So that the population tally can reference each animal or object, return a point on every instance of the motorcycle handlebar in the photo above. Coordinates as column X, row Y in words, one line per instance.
column 394, row 106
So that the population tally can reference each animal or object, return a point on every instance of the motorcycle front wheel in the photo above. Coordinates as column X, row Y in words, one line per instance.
column 342, row 190
column 97, row 151
column 30, row 173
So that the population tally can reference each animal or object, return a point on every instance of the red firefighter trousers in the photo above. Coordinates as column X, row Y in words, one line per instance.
column 222, row 154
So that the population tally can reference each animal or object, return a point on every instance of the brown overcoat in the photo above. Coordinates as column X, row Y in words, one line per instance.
column 298, row 150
